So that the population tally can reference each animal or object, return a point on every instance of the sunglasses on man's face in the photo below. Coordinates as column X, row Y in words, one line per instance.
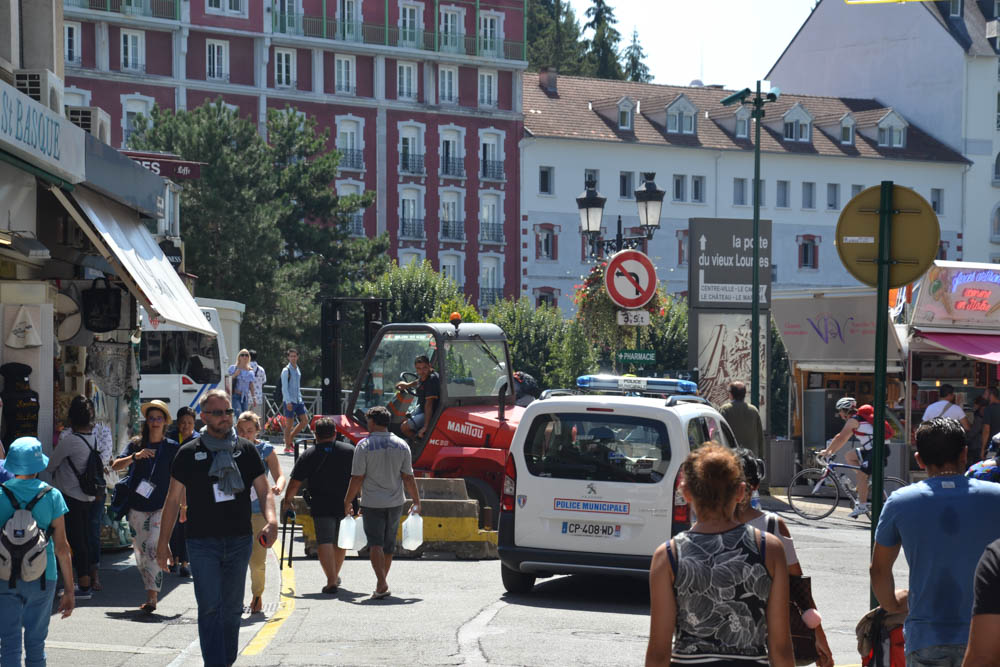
column 219, row 413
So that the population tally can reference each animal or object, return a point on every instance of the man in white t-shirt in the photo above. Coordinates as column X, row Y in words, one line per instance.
column 946, row 408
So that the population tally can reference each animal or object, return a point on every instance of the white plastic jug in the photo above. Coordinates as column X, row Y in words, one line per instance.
column 360, row 539
column 413, row 532
column 347, row 533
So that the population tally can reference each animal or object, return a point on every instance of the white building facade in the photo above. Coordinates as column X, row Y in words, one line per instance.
column 932, row 62
column 816, row 154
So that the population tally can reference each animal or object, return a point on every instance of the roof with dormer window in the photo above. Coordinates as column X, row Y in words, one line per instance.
column 682, row 104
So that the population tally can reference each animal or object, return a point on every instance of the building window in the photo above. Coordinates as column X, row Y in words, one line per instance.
column 808, row 251
column 680, row 187
column 344, row 78
column 133, row 51
column 351, row 157
column 411, row 154
column 546, row 186
column 592, row 174
column 490, row 220
column 680, row 121
column 545, row 242
column 407, row 81
column 448, row 85
column 71, row 43
column 847, row 134
column 487, row 89
column 698, row 189
column 546, row 298
column 451, row 36
column 452, row 217
column 790, row 131
column 808, row 195
column 411, row 219
column 490, row 291
column 942, row 252
column 225, row 7
column 682, row 247
column 217, row 60
column 489, row 35
column 492, row 166
column 995, row 226
column 955, row 8
column 856, row 190
column 625, row 189
column 687, row 123
column 409, row 25
column 781, row 199
column 284, row 68
column 996, row 168
column 449, row 269
column 133, row 108
column 624, row 119
column 937, row 200
column 762, row 191
column 796, row 130
column 832, row 196
column 742, row 127
column 894, row 137
column 739, row 192
column 452, row 163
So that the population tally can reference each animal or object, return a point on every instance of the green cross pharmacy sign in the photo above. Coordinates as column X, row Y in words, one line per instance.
column 637, row 357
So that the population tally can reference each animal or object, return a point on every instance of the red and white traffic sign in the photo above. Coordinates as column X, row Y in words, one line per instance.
column 630, row 279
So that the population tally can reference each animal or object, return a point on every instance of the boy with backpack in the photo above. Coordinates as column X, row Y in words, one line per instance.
column 32, row 537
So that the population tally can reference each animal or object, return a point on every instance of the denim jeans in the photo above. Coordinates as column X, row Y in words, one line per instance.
column 25, row 608
column 219, row 569
column 943, row 655
column 241, row 402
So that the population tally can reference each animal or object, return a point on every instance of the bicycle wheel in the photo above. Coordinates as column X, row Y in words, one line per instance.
column 891, row 484
column 812, row 496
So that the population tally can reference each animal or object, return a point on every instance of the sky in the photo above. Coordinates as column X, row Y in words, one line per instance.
column 728, row 42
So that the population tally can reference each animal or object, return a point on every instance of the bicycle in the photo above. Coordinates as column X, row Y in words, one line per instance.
column 825, row 487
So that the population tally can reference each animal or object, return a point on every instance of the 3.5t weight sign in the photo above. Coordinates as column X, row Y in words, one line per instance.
column 630, row 279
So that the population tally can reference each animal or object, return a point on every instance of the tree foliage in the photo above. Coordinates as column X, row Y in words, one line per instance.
column 554, row 39
column 604, row 43
column 263, row 225
column 418, row 293
column 635, row 68
column 534, row 335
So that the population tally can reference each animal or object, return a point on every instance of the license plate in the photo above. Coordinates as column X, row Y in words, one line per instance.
column 586, row 529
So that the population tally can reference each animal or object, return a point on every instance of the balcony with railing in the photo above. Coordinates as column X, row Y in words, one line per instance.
column 288, row 23
column 356, row 224
column 489, row 296
column 453, row 166
column 351, row 158
column 286, row 83
column 411, row 163
column 132, row 68
column 452, row 230
column 491, row 232
column 492, row 169
column 158, row 9
column 345, row 89
column 218, row 75
column 412, row 228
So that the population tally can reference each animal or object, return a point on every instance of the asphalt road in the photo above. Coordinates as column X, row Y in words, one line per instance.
column 442, row 612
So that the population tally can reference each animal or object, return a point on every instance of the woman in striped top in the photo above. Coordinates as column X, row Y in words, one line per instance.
column 721, row 586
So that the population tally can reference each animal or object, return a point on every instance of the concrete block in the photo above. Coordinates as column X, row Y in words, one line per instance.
column 433, row 488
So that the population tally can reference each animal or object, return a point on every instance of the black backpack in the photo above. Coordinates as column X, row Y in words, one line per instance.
column 91, row 478
column 529, row 385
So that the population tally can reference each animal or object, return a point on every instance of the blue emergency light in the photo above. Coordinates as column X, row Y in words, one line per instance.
column 627, row 383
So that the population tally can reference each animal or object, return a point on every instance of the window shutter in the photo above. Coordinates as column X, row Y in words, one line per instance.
column 538, row 245
column 555, row 245
column 802, row 255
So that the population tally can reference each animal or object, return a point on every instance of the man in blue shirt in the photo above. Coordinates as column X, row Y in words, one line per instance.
column 943, row 525
column 294, row 409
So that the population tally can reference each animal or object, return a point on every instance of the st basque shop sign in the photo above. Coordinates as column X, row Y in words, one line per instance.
column 40, row 136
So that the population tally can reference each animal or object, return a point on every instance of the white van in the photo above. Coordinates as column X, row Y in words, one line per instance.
column 178, row 365
column 591, row 483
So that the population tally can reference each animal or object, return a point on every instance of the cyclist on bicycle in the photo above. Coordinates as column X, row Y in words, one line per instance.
column 859, row 431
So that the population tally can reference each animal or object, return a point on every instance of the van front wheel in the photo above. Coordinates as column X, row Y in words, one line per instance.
column 516, row 582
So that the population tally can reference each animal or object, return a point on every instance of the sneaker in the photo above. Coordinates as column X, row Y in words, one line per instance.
column 82, row 593
column 859, row 509
column 185, row 571
column 289, row 450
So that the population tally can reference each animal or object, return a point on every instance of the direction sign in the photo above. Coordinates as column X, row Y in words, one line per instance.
column 630, row 279
column 637, row 357
column 720, row 263
column 633, row 318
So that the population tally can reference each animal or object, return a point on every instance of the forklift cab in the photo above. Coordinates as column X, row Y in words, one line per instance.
column 471, row 359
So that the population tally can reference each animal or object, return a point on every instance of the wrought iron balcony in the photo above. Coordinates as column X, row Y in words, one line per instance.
column 345, row 89
column 491, row 232
column 158, row 9
column 452, row 230
column 453, row 166
column 412, row 228
column 411, row 163
column 351, row 158
column 356, row 224
column 492, row 169
column 489, row 296
column 132, row 67
column 286, row 83
column 218, row 75
column 404, row 92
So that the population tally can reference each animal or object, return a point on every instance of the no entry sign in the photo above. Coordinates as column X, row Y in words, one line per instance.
column 630, row 279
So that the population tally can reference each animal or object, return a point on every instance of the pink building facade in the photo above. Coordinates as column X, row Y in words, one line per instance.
column 422, row 98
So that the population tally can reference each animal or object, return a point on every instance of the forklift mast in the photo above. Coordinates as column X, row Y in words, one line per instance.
column 333, row 318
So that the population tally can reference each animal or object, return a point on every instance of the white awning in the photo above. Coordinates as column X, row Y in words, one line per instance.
column 130, row 248
column 846, row 367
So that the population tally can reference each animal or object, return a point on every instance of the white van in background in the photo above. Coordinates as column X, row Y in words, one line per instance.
column 178, row 365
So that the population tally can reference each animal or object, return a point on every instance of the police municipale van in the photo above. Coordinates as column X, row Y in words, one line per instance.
column 591, row 483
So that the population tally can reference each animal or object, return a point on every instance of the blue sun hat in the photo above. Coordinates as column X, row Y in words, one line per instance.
column 25, row 457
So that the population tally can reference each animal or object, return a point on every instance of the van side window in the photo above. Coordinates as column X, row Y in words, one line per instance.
column 605, row 447
column 180, row 352
column 697, row 433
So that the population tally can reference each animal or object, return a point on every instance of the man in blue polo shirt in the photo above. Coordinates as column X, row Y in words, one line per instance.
column 943, row 524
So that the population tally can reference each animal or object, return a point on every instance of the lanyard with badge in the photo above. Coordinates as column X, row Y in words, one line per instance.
column 146, row 487
column 220, row 495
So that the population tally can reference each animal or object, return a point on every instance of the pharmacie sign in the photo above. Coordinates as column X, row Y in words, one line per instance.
column 40, row 136
column 960, row 294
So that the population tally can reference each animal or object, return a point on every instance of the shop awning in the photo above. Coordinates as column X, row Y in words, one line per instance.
column 140, row 263
column 984, row 347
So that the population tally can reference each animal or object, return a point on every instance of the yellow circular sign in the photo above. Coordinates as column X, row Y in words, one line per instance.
column 915, row 236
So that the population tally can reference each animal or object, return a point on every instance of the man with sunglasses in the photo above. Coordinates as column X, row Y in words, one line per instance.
column 216, row 473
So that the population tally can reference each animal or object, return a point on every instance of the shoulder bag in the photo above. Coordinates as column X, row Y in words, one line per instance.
column 800, row 600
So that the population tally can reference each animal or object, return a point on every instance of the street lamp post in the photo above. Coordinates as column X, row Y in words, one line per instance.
column 649, row 200
column 757, row 114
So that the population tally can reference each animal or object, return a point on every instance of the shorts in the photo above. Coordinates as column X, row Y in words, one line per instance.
column 865, row 455
column 381, row 525
column 941, row 655
column 327, row 529
column 297, row 409
column 417, row 420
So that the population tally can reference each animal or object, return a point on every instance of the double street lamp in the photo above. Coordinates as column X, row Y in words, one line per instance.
column 649, row 200
column 757, row 114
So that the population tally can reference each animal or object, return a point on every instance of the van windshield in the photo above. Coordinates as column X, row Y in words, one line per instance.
column 599, row 447
column 180, row 353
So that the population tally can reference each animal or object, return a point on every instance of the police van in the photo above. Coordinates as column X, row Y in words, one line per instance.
column 592, row 480
column 178, row 365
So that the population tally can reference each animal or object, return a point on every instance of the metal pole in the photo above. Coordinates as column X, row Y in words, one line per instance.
column 619, row 238
column 758, row 114
column 881, row 336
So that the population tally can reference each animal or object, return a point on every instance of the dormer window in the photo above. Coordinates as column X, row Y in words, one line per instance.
column 847, row 131
column 955, row 8
column 681, row 116
column 892, row 131
column 797, row 124
column 742, row 123
column 626, row 113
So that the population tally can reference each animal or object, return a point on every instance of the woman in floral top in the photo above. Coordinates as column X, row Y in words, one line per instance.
column 721, row 586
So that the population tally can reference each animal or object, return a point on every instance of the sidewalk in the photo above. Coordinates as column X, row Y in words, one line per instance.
column 109, row 629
